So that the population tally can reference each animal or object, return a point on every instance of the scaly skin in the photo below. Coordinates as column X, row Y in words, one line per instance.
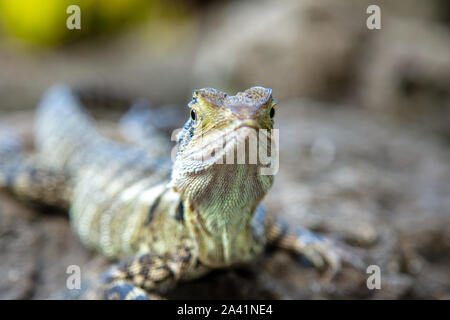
column 166, row 224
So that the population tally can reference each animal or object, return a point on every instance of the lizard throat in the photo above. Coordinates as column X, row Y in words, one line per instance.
column 220, row 204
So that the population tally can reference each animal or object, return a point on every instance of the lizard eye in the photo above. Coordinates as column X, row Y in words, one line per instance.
column 193, row 115
column 272, row 113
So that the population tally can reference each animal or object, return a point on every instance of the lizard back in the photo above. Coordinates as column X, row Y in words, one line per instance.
column 112, row 185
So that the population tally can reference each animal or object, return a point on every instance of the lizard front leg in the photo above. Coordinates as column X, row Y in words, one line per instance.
column 138, row 277
column 319, row 249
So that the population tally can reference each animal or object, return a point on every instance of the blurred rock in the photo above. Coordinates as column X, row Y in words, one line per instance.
column 323, row 49
column 406, row 74
column 296, row 47
column 299, row 48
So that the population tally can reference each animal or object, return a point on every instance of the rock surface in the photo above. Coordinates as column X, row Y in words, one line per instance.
column 373, row 185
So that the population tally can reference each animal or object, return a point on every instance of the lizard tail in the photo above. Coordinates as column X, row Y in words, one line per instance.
column 64, row 132
column 63, row 129
column 29, row 178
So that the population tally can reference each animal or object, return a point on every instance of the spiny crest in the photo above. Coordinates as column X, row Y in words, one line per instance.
column 208, row 96
column 252, row 97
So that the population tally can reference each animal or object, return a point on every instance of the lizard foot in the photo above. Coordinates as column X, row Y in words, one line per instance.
column 329, row 254
column 323, row 252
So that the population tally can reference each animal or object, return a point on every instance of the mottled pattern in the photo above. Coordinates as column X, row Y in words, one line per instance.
column 167, row 224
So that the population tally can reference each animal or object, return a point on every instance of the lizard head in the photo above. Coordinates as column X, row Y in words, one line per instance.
column 217, row 167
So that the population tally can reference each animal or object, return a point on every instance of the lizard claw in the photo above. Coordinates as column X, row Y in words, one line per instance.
column 324, row 252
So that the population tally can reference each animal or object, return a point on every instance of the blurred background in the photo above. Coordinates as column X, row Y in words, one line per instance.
column 364, row 121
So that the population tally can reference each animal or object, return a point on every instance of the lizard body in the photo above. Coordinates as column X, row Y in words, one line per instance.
column 166, row 223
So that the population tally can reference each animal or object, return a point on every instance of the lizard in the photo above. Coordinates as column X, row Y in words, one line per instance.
column 163, row 222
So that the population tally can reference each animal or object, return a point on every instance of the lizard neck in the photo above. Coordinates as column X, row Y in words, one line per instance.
column 228, row 245
column 219, row 206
